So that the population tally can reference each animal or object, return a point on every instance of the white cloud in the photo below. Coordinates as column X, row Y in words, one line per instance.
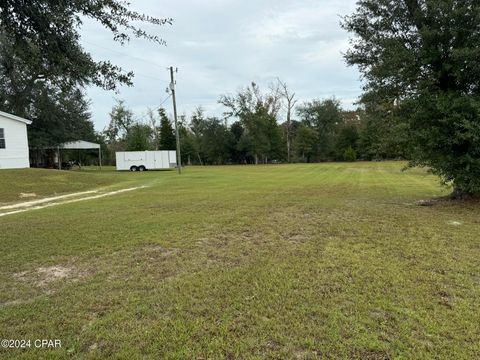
column 326, row 52
column 221, row 45
column 294, row 24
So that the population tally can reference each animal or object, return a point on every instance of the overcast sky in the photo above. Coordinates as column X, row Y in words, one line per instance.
column 220, row 46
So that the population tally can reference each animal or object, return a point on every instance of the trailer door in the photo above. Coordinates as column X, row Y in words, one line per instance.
column 158, row 160
column 172, row 159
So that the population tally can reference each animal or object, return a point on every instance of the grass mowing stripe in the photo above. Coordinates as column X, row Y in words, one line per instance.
column 285, row 261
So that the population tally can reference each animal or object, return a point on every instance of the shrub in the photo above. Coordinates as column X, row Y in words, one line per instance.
column 349, row 154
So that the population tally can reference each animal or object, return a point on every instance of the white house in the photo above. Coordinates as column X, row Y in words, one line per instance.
column 13, row 142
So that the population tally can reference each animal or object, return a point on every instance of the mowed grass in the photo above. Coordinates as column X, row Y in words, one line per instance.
column 30, row 184
column 248, row 262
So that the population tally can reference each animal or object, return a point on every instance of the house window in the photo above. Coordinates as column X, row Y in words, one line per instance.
column 2, row 139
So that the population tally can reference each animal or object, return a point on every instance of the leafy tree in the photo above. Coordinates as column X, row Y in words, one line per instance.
column 382, row 135
column 372, row 138
column 59, row 114
column 346, row 138
column 215, row 142
column 167, row 139
column 197, row 126
column 211, row 140
column 324, row 116
column 306, row 142
column 249, row 99
column 43, row 65
column 18, row 88
column 121, row 119
column 44, row 36
column 139, row 138
column 261, row 138
column 187, row 145
column 421, row 57
column 60, row 117
column 153, row 121
column 257, row 111
column 238, row 154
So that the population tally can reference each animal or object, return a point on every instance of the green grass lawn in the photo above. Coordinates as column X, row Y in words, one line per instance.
column 39, row 183
column 243, row 262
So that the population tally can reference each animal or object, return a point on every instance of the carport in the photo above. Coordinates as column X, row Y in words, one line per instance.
column 79, row 145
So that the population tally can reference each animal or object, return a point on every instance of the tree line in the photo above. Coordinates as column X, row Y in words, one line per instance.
column 260, row 127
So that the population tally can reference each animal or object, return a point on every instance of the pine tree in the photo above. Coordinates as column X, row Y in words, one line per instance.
column 167, row 134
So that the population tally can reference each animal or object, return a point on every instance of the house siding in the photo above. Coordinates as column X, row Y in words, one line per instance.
column 15, row 154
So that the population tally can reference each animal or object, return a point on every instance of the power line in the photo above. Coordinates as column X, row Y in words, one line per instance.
column 149, row 77
column 155, row 109
column 130, row 56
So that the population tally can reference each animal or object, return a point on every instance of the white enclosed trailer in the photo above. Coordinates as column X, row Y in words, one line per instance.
column 146, row 160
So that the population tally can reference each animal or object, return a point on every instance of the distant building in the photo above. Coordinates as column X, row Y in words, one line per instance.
column 13, row 142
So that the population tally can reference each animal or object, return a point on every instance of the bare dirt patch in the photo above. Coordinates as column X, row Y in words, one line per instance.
column 44, row 276
column 305, row 354
column 53, row 273
column 44, row 280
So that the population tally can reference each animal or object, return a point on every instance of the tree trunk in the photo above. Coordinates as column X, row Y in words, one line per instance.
column 288, row 134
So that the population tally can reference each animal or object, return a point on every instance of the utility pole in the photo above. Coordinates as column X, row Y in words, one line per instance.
column 177, row 135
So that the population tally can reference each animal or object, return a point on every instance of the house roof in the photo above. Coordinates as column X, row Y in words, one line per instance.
column 15, row 118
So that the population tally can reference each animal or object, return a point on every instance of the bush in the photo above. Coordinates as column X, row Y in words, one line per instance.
column 349, row 154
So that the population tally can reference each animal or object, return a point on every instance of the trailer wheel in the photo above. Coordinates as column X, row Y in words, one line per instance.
column 142, row 168
column 133, row 168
